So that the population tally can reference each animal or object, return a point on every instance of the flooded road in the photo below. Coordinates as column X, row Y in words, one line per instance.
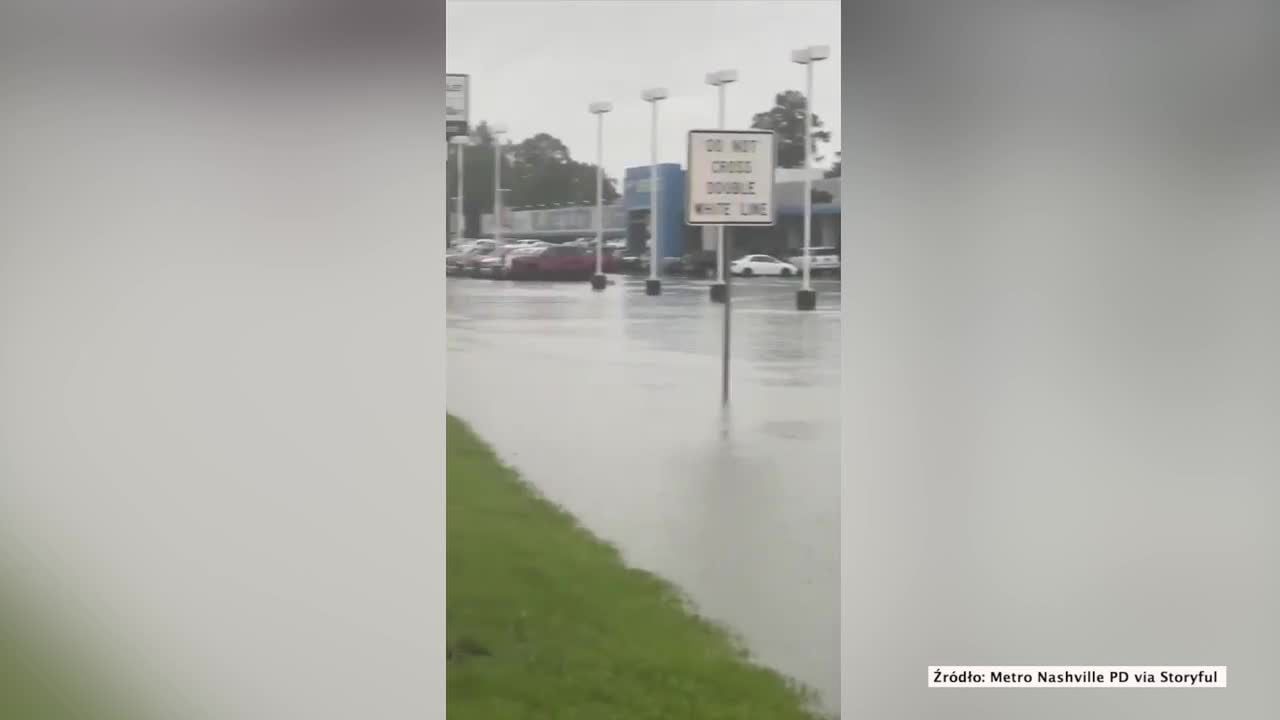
column 609, row 402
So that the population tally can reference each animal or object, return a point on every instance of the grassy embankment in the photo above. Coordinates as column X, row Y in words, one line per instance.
column 545, row 621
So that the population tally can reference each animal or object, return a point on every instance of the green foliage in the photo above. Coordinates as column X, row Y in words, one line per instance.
column 786, row 118
column 545, row 621
column 545, row 174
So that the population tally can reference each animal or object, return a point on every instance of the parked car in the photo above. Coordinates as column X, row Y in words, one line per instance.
column 467, row 245
column 456, row 250
column 699, row 264
column 520, row 251
column 823, row 260
column 494, row 264
column 761, row 265
column 633, row 264
column 461, row 244
column 460, row 263
column 558, row 262
column 453, row 261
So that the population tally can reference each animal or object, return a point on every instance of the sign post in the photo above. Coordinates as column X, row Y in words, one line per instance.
column 457, row 105
column 730, row 184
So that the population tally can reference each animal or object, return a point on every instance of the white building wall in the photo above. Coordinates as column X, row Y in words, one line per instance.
column 787, row 175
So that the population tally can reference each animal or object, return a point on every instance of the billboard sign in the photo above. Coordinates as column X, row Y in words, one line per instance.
column 457, row 105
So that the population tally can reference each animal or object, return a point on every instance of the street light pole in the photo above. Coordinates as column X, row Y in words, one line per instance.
column 497, row 131
column 598, row 281
column 462, row 174
column 724, row 354
column 720, row 80
column 461, row 141
column 807, row 298
column 808, row 179
column 653, row 286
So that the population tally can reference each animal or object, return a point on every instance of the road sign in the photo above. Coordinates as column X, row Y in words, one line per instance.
column 457, row 105
column 730, row 178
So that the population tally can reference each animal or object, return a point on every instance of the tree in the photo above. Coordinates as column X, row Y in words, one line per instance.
column 786, row 118
column 834, row 172
column 538, row 170
column 544, row 173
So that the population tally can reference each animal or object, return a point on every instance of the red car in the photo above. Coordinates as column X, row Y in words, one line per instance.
column 560, row 262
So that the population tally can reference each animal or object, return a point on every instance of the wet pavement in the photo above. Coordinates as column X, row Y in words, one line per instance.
column 609, row 403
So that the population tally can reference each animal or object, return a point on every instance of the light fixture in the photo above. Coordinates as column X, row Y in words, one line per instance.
column 722, row 77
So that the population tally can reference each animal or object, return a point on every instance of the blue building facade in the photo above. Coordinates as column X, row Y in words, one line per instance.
column 636, row 199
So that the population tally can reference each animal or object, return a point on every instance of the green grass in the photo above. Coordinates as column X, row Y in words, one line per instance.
column 545, row 621
column 42, row 677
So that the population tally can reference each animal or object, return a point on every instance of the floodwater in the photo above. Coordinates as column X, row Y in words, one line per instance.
column 609, row 403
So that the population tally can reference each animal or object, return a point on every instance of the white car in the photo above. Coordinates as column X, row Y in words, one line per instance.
column 822, row 260
column 462, row 244
column 761, row 265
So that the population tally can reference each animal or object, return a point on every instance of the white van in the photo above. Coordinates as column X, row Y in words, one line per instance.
column 824, row 260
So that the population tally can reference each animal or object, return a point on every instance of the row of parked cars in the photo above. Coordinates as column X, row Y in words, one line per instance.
column 526, row 259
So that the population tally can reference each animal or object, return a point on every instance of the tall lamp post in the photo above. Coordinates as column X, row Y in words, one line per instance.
column 497, row 131
column 653, row 286
column 461, row 141
column 719, row 80
column 598, row 281
column 807, row 297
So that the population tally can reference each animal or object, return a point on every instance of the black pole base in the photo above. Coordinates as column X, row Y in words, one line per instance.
column 717, row 292
column 652, row 287
column 599, row 282
column 806, row 299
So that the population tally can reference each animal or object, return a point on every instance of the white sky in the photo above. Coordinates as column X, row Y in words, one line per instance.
column 535, row 65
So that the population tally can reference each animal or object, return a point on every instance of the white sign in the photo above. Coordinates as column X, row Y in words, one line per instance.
column 730, row 179
column 456, row 104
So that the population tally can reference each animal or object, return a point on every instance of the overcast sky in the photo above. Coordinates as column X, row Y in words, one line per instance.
column 536, row 65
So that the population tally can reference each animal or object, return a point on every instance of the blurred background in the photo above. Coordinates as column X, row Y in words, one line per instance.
column 1061, row 404
column 220, row 431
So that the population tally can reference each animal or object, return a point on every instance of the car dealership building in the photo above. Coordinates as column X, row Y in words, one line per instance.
column 629, row 219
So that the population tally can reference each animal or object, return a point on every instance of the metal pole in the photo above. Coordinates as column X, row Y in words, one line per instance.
column 653, row 195
column 808, row 182
column 720, row 248
column 462, row 213
column 599, row 193
column 497, row 189
column 724, row 357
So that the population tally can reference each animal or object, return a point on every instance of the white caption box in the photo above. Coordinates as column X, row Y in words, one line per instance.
column 1077, row 676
